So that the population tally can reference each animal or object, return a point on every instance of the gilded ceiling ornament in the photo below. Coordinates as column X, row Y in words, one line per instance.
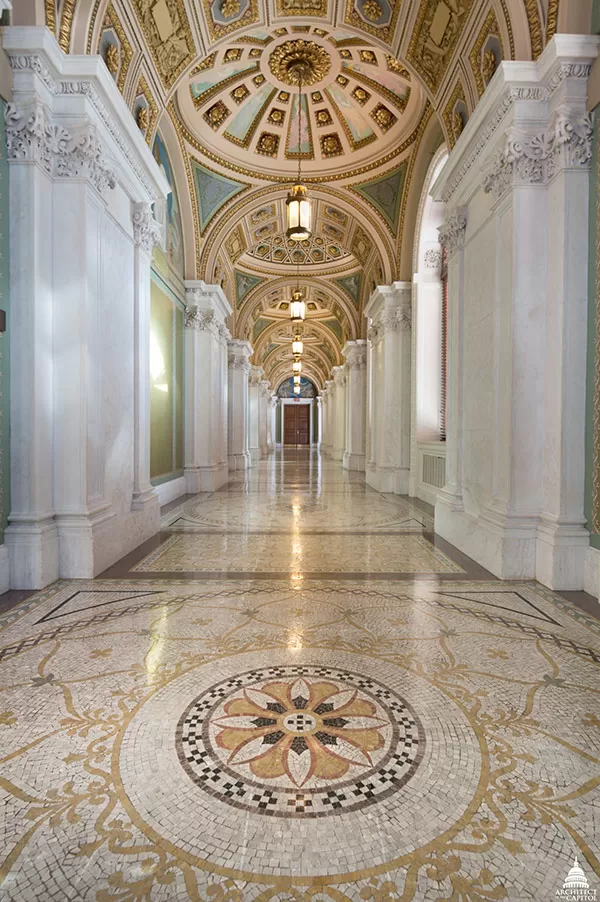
column 207, row 63
column 435, row 37
column 233, row 54
column 276, row 117
column 216, row 115
column 259, row 80
column 299, row 61
column 371, row 10
column 268, row 144
column 361, row 95
column 342, row 80
column 455, row 114
column 230, row 8
column 331, row 146
column 141, row 118
column 240, row 93
column 112, row 58
column 489, row 65
column 316, row 97
column 323, row 117
column 396, row 66
column 367, row 56
column 458, row 124
column 383, row 117
column 283, row 96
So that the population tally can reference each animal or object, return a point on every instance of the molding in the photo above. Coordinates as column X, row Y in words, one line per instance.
column 238, row 354
column 42, row 72
column 528, row 91
column 355, row 353
column 210, row 297
column 31, row 137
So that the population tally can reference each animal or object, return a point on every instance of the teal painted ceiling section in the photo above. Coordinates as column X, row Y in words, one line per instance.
column 244, row 283
column 352, row 286
column 385, row 193
column 212, row 192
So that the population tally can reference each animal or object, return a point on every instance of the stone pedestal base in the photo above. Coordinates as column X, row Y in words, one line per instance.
column 388, row 479
column 206, row 479
column 353, row 461
column 33, row 549
column 239, row 461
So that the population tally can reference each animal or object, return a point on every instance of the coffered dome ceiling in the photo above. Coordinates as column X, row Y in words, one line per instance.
column 212, row 86
column 242, row 103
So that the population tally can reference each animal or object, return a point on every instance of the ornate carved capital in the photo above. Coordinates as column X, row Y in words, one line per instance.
column 393, row 319
column 452, row 232
column 356, row 357
column 256, row 375
column 534, row 159
column 238, row 353
column 339, row 376
column 146, row 230
column 201, row 319
column 64, row 153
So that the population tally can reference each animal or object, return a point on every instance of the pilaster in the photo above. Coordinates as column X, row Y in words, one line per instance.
column 339, row 430
column 255, row 378
column 263, row 408
column 355, row 353
column 389, row 322
column 206, row 339
column 238, row 370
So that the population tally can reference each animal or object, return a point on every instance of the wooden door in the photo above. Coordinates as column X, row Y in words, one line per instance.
column 296, row 424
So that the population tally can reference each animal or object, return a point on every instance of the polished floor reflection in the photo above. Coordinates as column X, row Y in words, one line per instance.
column 295, row 692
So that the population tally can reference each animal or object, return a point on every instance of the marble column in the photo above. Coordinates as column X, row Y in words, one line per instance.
column 263, row 415
column 256, row 375
column 271, row 412
column 339, row 441
column 238, row 369
column 206, row 338
column 355, row 353
column 389, row 317
column 330, row 426
column 320, row 421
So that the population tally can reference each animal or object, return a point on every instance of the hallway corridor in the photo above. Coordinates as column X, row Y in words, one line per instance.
column 296, row 692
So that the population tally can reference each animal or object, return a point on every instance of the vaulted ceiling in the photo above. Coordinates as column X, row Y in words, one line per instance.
column 391, row 80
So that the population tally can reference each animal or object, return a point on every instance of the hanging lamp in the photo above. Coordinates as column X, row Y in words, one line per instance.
column 298, row 204
column 297, row 389
column 297, row 379
column 297, row 304
column 297, row 367
column 297, row 345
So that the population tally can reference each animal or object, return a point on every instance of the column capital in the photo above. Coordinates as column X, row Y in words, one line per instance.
column 355, row 353
column 238, row 354
column 339, row 375
column 256, row 375
column 452, row 232
column 210, row 297
column 146, row 230
column 521, row 121
column 389, row 310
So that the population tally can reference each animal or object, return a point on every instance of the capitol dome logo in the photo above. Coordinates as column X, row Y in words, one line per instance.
column 576, row 886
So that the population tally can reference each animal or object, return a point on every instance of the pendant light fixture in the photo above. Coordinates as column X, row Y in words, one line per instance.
column 296, row 389
column 297, row 304
column 297, row 379
column 299, row 212
column 297, row 367
column 297, row 345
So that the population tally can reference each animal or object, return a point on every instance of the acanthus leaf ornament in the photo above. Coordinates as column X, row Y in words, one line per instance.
column 62, row 153
column 147, row 231
column 452, row 232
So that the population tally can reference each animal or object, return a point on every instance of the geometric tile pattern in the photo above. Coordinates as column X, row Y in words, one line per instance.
column 433, row 738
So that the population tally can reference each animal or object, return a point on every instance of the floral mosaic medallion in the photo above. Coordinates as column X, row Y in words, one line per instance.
column 300, row 741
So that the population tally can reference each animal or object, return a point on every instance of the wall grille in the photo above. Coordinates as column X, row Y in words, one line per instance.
column 434, row 470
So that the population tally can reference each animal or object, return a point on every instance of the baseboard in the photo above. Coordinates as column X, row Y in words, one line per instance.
column 169, row 491
column 4, row 569
column 591, row 572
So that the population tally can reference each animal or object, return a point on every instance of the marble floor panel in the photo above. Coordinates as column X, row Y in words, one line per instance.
column 274, row 553
column 426, row 734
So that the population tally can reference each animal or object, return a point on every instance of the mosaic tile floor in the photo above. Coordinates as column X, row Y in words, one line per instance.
column 296, row 738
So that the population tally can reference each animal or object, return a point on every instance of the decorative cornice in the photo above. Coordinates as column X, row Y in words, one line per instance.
column 256, row 375
column 201, row 319
column 452, row 232
column 356, row 356
column 535, row 159
column 542, row 92
column 61, row 152
column 146, row 230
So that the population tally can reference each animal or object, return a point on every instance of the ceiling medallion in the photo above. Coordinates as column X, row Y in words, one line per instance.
column 299, row 61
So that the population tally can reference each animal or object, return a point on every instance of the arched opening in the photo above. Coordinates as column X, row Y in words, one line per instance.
column 429, row 344
column 296, row 413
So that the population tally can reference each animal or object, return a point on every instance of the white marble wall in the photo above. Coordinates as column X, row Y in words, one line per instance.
column 81, row 235
column 388, row 388
column 238, row 438
column 516, row 191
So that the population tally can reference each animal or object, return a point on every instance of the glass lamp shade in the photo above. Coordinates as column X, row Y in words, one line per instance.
column 296, row 366
column 297, row 307
column 297, row 346
column 299, row 214
column 296, row 389
column 297, row 379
